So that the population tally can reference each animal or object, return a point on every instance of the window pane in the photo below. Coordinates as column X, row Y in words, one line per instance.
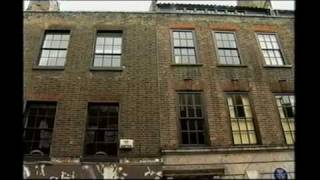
column 176, row 42
column 100, row 41
column 106, row 61
column 232, row 113
column 60, row 61
column 178, row 59
column 117, row 41
column 175, row 35
column 236, row 138
column 43, row 62
column 107, row 49
column 62, row 53
column 192, row 60
column 53, row 53
column 55, row 44
column 234, row 126
column 242, row 125
column 192, row 124
column 191, row 52
column 185, row 139
column 191, row 112
column 63, row 44
column 183, row 43
column 184, row 125
column 240, row 111
column 108, row 41
column 189, row 35
column 193, row 138
column 97, row 61
column 245, row 138
column 184, row 51
column 288, row 138
column 116, row 61
column 183, row 111
column 253, row 139
column 198, row 111
column 52, row 61
column 190, row 43
column 250, row 125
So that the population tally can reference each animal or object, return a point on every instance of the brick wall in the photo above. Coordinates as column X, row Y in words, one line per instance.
column 135, row 88
column 260, row 82
column 146, row 87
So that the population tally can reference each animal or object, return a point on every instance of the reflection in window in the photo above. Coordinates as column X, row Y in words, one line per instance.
column 184, row 47
column 227, row 48
column 38, row 126
column 286, row 107
column 108, row 49
column 242, row 125
column 102, row 130
column 191, row 119
column 270, row 49
column 54, row 48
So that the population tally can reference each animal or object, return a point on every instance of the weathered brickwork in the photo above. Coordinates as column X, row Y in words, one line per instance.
column 214, row 81
column 135, row 88
column 146, row 88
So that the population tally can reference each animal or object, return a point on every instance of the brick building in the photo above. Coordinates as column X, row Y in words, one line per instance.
column 200, row 91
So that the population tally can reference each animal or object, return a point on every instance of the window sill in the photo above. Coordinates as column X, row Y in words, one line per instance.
column 234, row 148
column 195, row 65
column 106, row 68
column 36, row 158
column 48, row 68
column 273, row 66
column 99, row 159
column 232, row 65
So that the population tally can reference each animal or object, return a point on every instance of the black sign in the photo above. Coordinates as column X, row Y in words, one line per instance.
column 280, row 173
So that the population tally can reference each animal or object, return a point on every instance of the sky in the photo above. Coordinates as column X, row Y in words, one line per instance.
column 143, row 5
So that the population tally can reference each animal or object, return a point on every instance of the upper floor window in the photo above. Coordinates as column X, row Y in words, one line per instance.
column 38, row 126
column 242, row 125
column 108, row 49
column 54, row 48
column 286, row 107
column 184, row 47
column 102, row 130
column 270, row 49
column 227, row 48
column 191, row 119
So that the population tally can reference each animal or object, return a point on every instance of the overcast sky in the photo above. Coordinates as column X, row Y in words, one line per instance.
column 143, row 5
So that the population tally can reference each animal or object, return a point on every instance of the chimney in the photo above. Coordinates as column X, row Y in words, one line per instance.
column 266, row 4
column 43, row 5
column 153, row 6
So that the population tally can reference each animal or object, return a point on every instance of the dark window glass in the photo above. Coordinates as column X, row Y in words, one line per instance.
column 38, row 126
column 191, row 119
column 102, row 130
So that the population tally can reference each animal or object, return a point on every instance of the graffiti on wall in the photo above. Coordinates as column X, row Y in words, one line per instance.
column 90, row 171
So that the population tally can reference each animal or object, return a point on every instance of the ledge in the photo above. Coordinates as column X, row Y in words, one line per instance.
column 42, row 159
column 227, row 149
column 48, row 67
column 106, row 69
column 99, row 159
column 273, row 66
column 187, row 65
column 232, row 65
